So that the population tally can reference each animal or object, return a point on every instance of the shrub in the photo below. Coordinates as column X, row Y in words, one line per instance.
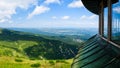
column 32, row 59
column 18, row 60
column 51, row 62
column 61, row 61
column 35, row 65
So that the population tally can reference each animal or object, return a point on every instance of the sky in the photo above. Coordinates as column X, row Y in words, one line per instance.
column 46, row 14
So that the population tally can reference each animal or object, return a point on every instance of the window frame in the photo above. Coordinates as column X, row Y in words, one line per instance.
column 109, row 22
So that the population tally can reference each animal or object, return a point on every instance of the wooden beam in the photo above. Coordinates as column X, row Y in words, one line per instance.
column 102, row 18
column 109, row 20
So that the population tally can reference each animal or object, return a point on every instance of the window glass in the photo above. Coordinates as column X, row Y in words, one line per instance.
column 105, row 21
column 116, row 22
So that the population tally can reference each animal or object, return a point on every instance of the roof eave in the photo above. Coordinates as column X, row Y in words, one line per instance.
column 93, row 5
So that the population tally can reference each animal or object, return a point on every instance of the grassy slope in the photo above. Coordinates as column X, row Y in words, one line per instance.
column 9, row 62
column 22, row 50
column 19, row 44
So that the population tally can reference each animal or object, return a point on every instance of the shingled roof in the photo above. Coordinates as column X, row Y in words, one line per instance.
column 97, row 53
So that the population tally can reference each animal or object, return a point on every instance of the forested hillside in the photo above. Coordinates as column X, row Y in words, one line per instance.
column 21, row 44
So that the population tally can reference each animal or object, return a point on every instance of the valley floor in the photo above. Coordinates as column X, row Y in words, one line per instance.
column 13, row 62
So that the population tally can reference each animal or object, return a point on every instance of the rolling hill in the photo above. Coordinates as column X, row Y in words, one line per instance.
column 21, row 44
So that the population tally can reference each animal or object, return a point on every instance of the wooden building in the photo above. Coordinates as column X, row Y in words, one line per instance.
column 103, row 49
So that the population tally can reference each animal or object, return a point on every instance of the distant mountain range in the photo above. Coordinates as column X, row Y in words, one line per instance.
column 71, row 35
column 59, row 31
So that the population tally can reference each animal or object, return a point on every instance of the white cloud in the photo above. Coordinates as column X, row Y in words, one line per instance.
column 89, row 20
column 8, row 7
column 83, row 17
column 54, row 17
column 38, row 10
column 76, row 4
column 88, row 17
column 2, row 20
column 52, row 1
column 66, row 17
column 92, row 16
column 117, row 9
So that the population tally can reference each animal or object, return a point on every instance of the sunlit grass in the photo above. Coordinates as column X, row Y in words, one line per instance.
column 10, row 62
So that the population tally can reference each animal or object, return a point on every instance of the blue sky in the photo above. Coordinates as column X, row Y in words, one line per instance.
column 46, row 14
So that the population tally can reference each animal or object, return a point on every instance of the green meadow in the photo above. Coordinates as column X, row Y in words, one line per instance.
column 14, row 62
column 25, row 50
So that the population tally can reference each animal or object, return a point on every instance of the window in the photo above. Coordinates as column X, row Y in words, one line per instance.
column 116, row 22
column 105, row 21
